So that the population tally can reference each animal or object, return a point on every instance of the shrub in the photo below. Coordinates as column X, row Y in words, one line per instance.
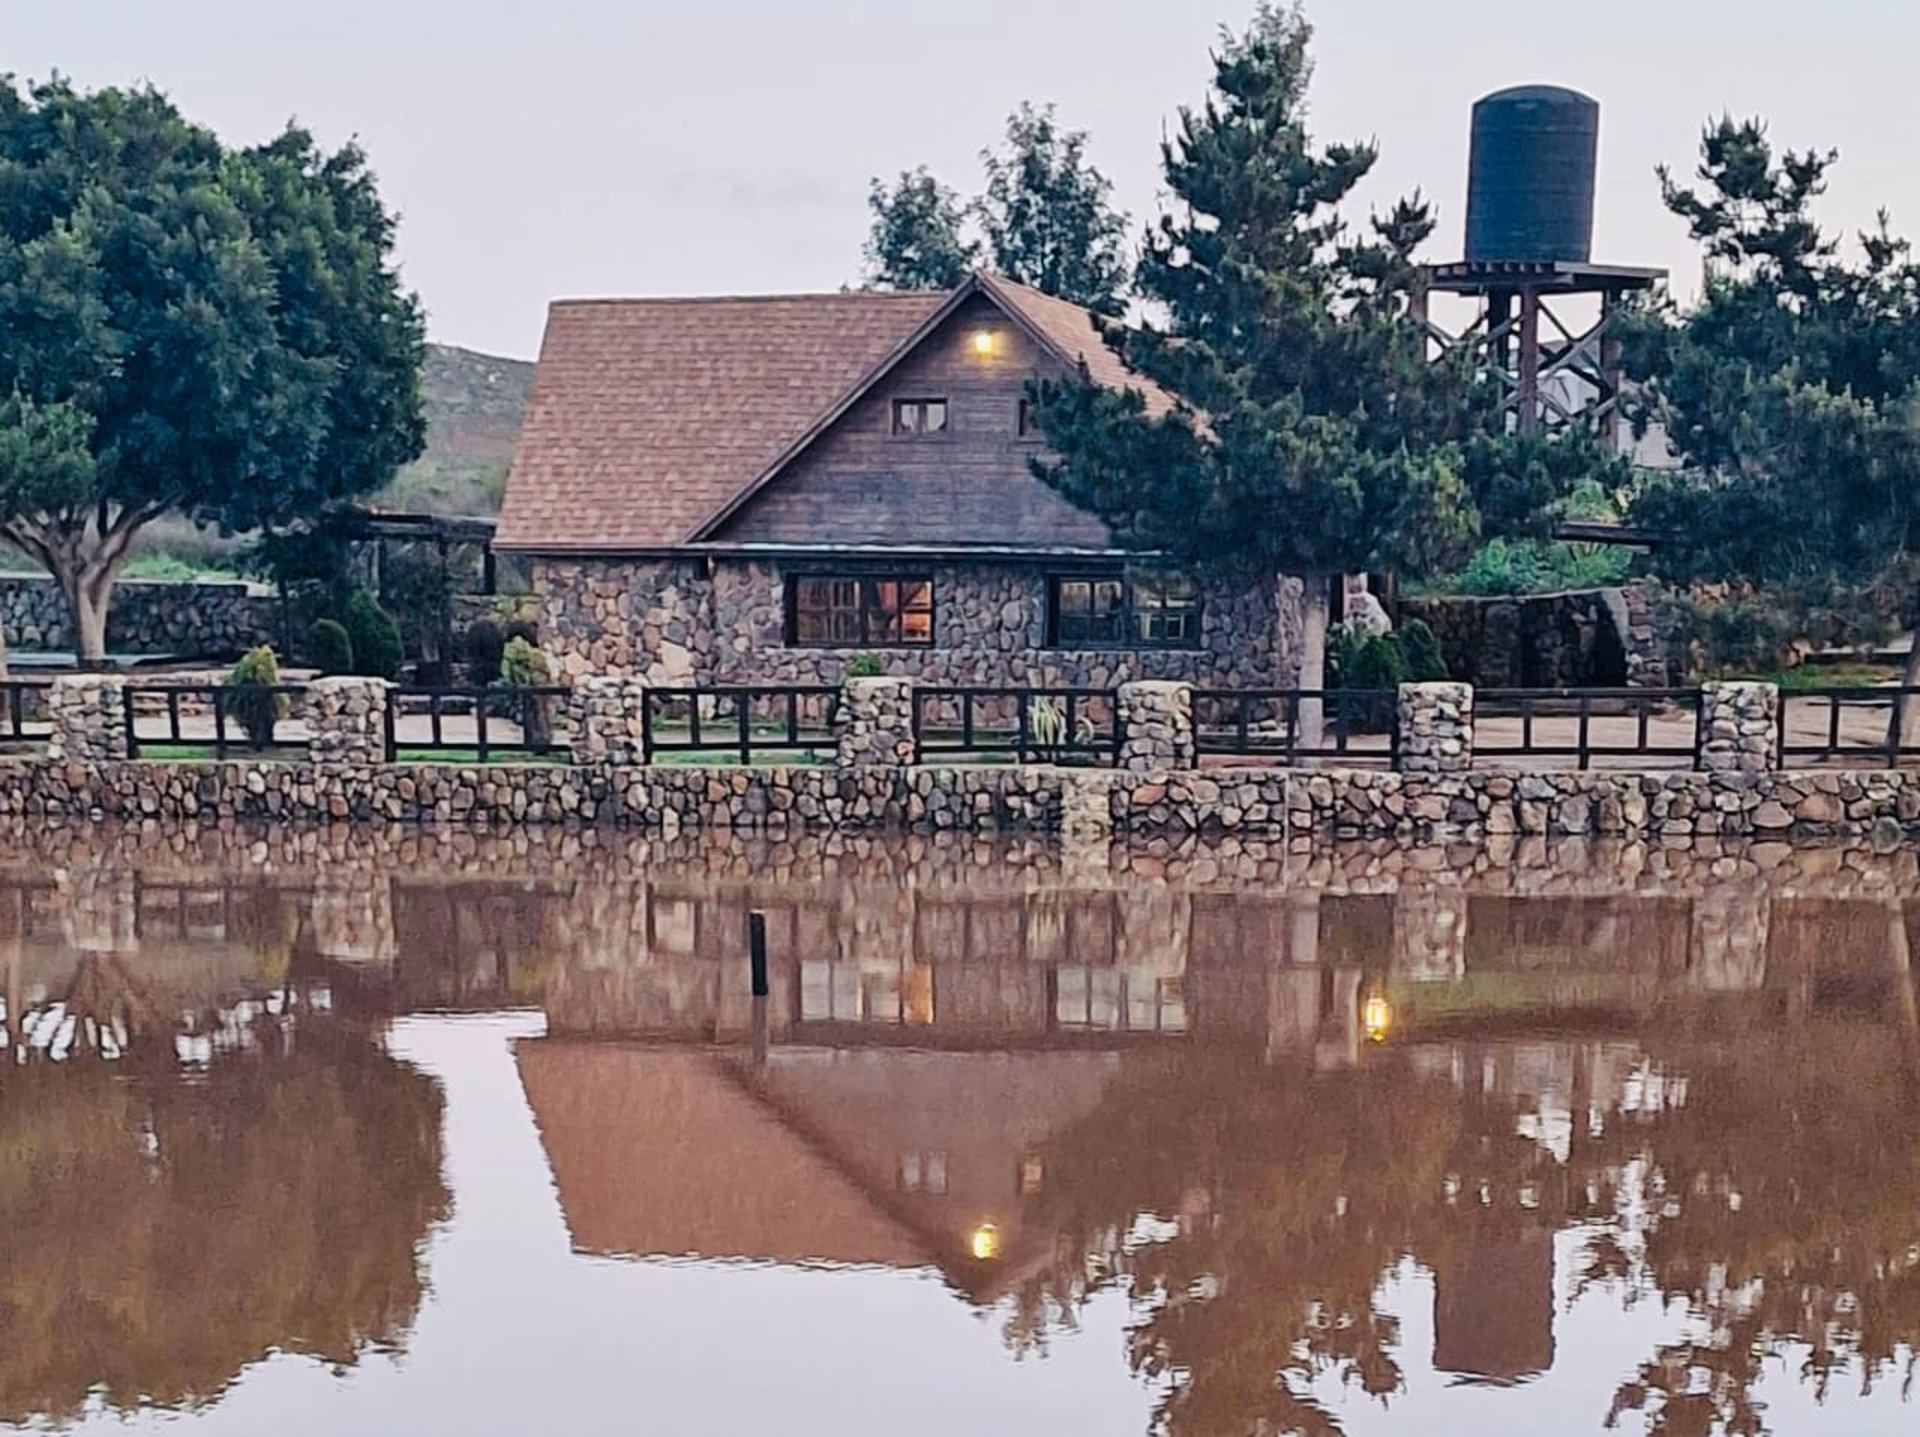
column 522, row 666
column 484, row 644
column 520, row 629
column 866, row 666
column 328, row 647
column 374, row 637
column 1421, row 650
column 253, row 703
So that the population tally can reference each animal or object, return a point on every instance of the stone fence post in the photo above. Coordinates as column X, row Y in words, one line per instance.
column 1436, row 728
column 607, row 714
column 1739, row 727
column 347, row 720
column 88, row 713
column 874, row 723
column 1156, row 726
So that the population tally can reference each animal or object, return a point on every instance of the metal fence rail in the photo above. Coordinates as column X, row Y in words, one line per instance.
column 1848, row 723
column 738, row 719
column 1588, row 724
column 1048, row 724
column 485, row 721
column 220, row 717
column 1358, row 726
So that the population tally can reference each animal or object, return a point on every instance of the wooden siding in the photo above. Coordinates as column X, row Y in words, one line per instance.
column 861, row 483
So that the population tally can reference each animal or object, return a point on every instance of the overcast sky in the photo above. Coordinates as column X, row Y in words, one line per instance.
column 589, row 147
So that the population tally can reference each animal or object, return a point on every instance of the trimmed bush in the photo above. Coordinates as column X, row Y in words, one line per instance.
column 253, row 703
column 328, row 647
column 374, row 637
column 866, row 666
column 1421, row 650
column 522, row 666
column 484, row 645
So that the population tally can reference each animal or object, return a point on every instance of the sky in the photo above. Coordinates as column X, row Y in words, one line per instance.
column 628, row 147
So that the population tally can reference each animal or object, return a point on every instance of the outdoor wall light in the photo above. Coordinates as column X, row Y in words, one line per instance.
column 985, row 342
column 984, row 1242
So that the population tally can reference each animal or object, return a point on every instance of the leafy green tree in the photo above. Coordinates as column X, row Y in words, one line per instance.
column 230, row 324
column 1311, row 436
column 44, row 462
column 1048, row 214
column 918, row 239
column 1788, row 393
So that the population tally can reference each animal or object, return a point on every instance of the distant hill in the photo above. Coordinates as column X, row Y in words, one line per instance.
column 474, row 406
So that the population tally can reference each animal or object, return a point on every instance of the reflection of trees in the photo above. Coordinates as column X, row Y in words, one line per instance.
column 1779, row 1201
column 163, row 1229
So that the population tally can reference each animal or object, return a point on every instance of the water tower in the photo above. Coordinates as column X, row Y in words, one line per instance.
column 1529, row 271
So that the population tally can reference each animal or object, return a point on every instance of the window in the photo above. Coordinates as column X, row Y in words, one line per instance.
column 857, row 611
column 919, row 416
column 1158, row 611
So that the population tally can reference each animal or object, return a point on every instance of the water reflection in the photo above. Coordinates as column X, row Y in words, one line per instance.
column 1355, row 1146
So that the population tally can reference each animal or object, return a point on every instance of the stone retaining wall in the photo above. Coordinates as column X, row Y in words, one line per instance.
column 147, row 616
column 1586, row 638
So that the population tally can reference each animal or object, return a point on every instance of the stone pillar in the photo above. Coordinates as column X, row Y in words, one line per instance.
column 89, row 719
column 1739, row 727
column 347, row 721
column 607, row 713
column 874, row 723
column 1156, row 726
column 1436, row 728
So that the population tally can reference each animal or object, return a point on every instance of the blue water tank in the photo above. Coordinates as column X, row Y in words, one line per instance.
column 1530, row 181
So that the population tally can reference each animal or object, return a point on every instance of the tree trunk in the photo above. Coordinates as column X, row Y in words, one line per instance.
column 1315, row 616
column 88, row 586
column 5, row 672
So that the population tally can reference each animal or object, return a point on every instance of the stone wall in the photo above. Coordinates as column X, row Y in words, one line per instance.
column 1590, row 638
column 204, row 617
column 1436, row 728
column 669, row 622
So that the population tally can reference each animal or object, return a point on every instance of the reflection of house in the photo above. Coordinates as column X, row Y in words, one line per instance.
column 1493, row 1306
column 881, row 1156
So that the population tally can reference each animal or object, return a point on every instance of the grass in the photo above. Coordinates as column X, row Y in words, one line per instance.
column 430, row 755
column 204, row 752
column 1829, row 676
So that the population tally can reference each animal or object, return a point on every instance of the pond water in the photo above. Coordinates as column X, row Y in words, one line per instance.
column 374, row 1133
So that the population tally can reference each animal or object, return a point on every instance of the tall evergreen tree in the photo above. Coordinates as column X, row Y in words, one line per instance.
column 1311, row 437
column 1790, row 393
column 918, row 238
column 1048, row 214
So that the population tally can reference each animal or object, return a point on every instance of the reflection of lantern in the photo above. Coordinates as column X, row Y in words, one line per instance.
column 1376, row 1016
column 984, row 1242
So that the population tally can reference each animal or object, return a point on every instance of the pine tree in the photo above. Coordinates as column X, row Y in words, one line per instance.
column 1311, row 436
column 1048, row 214
column 918, row 238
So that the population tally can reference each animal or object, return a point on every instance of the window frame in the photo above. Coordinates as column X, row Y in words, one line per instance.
column 918, row 405
column 867, row 586
column 1025, row 429
column 1126, row 617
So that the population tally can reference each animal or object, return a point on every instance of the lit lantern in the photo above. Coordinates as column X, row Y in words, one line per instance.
column 984, row 1242
column 1376, row 1016
column 985, row 341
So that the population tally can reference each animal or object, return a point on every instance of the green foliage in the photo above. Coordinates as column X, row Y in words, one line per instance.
column 374, row 637
column 1048, row 214
column 1530, row 566
column 46, row 461
column 484, row 645
column 866, row 666
column 918, row 238
column 253, row 702
column 1424, row 662
column 1357, row 660
column 1329, row 443
column 523, row 666
column 229, row 324
column 329, row 647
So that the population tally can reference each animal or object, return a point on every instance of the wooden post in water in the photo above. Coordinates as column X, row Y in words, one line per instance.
column 757, row 951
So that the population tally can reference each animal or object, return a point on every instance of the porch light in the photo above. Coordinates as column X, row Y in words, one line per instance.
column 985, row 342
column 1376, row 1016
column 984, row 1242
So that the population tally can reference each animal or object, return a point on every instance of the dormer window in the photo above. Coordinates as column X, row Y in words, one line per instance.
column 919, row 416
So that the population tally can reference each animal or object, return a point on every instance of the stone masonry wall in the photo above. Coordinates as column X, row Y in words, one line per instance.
column 666, row 621
column 1588, row 638
column 147, row 617
column 1436, row 728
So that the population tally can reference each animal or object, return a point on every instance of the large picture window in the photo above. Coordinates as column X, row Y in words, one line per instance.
column 1136, row 611
column 859, row 610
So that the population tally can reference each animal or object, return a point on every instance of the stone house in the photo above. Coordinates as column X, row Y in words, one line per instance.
column 738, row 490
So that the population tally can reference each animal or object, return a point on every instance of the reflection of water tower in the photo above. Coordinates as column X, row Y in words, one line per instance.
column 1529, row 269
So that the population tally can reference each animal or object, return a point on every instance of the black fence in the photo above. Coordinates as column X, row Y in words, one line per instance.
column 1660, row 727
column 189, row 720
column 741, row 720
column 1046, row 725
column 23, row 711
column 481, row 723
column 1825, row 725
column 1360, row 727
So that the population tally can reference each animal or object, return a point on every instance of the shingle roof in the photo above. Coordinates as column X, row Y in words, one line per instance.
column 650, row 417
